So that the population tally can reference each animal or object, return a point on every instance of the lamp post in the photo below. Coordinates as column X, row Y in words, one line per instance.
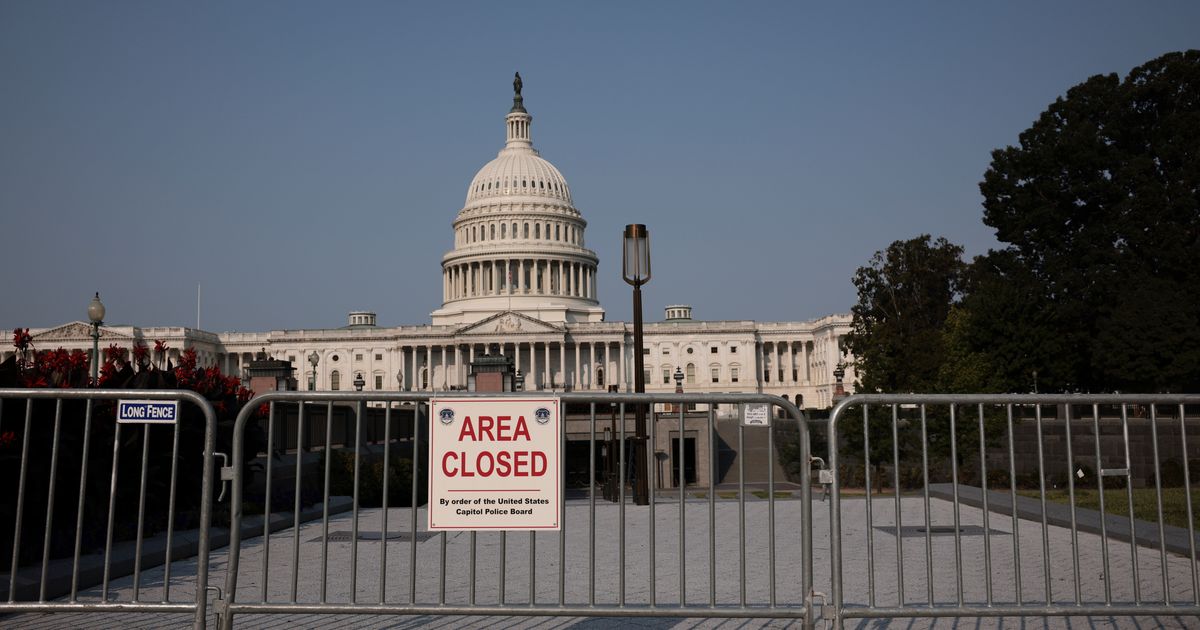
column 635, row 270
column 359, row 382
column 312, row 360
column 519, row 381
column 95, row 312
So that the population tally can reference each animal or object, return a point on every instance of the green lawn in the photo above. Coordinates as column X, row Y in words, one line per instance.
column 1145, row 505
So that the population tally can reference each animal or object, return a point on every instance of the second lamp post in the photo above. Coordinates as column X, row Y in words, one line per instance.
column 635, row 269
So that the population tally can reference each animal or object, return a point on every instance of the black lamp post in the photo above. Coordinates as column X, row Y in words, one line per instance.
column 678, row 380
column 95, row 312
column 519, row 381
column 359, row 382
column 635, row 269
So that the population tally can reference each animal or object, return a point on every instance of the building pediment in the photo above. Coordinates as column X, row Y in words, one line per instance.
column 76, row 331
column 509, row 323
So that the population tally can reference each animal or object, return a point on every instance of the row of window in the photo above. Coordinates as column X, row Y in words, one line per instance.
column 689, row 374
column 335, row 381
column 711, row 350
column 477, row 233
column 525, row 183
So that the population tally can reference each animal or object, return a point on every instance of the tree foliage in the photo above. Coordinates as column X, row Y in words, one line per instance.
column 904, row 297
column 1100, row 207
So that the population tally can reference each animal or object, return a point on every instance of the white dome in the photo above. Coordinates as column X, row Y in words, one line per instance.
column 518, row 172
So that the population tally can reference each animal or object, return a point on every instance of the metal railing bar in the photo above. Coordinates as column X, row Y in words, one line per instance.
column 87, row 444
column 896, row 492
column 358, row 414
column 741, row 507
column 383, row 537
column 1103, row 518
column 1016, row 524
column 137, row 554
column 712, row 511
column 682, row 535
column 50, row 499
column 1037, row 414
column 928, row 523
column 1137, row 582
column 621, row 514
column 16, row 553
column 987, row 528
column 325, row 503
column 471, row 573
column 503, row 565
column 1162, row 539
column 412, row 510
column 296, row 504
column 1071, row 500
column 112, row 498
column 562, row 515
column 266, row 524
column 1187, row 496
column 651, row 490
column 591, row 506
column 958, row 571
column 869, row 501
column 171, row 514
column 771, row 507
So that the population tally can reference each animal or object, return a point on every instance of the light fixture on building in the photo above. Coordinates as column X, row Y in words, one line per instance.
column 359, row 382
column 519, row 381
column 635, row 269
column 95, row 311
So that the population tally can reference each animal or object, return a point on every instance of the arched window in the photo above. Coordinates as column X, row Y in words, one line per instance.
column 492, row 235
column 335, row 380
column 474, row 234
column 537, row 231
column 600, row 377
column 514, row 231
column 526, row 231
column 503, row 230
column 557, row 233
column 690, row 375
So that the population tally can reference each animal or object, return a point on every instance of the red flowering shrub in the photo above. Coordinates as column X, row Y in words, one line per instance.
column 62, row 369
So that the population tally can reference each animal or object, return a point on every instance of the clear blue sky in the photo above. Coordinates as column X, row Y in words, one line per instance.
column 302, row 159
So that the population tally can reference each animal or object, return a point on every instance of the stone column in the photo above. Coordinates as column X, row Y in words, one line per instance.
column 621, row 361
column 546, row 366
column 521, row 277
column 577, row 378
column 562, row 278
column 562, row 361
column 759, row 365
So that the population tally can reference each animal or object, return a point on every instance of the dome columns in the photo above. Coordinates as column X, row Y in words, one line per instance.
column 519, row 276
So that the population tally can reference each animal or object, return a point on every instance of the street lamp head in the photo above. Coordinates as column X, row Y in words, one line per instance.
column 359, row 382
column 635, row 264
column 519, row 381
column 678, row 376
column 95, row 310
column 313, row 359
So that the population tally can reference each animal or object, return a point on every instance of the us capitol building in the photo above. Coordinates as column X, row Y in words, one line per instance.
column 519, row 281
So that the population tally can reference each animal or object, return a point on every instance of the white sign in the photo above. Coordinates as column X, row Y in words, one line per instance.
column 147, row 411
column 495, row 464
column 756, row 415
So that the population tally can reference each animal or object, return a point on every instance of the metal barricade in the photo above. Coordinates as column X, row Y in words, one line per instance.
column 80, row 418
column 991, row 449
column 722, row 558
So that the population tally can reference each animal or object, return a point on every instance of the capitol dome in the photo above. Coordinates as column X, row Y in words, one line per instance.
column 519, row 240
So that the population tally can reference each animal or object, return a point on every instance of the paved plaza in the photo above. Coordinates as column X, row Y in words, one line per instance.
column 578, row 576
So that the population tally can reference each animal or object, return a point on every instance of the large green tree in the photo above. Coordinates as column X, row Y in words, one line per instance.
column 1098, row 288
column 904, row 297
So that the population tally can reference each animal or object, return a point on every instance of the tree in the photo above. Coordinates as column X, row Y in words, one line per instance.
column 1100, row 208
column 904, row 297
